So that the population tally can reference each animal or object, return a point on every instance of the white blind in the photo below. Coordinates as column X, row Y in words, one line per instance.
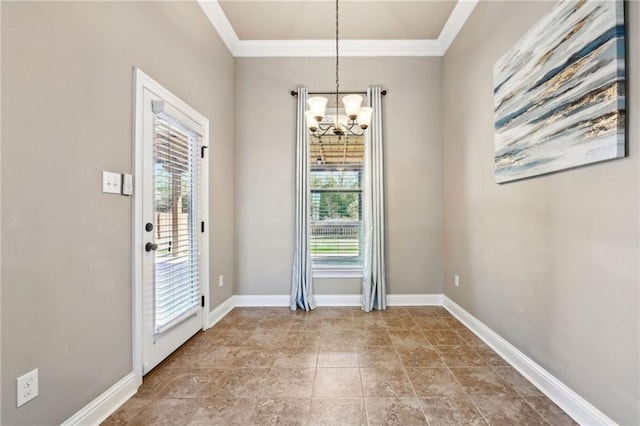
column 336, row 201
column 177, row 234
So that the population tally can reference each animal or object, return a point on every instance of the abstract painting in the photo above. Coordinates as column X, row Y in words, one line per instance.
column 559, row 93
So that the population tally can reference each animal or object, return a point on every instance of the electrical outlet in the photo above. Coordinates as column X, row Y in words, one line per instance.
column 220, row 280
column 27, row 387
column 456, row 280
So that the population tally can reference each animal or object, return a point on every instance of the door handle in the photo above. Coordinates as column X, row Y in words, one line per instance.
column 151, row 247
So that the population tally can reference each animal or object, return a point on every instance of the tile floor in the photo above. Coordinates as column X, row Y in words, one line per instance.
column 337, row 366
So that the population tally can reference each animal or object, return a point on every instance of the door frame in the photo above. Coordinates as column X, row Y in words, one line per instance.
column 142, row 81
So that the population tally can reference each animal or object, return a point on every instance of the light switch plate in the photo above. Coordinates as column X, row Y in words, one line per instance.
column 111, row 182
column 127, row 184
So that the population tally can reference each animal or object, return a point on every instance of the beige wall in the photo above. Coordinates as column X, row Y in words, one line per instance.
column 264, row 157
column 66, row 104
column 551, row 263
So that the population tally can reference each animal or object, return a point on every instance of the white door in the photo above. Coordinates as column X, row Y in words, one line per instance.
column 172, row 222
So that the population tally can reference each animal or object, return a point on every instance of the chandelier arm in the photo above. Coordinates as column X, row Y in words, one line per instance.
column 349, row 131
column 322, row 131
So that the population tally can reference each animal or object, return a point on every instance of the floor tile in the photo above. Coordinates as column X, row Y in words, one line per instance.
column 395, row 412
column 266, row 337
column 517, row 381
column 302, row 337
column 426, row 311
column 337, row 366
column 408, row 338
column 288, row 383
column 385, row 382
column 246, row 382
column 395, row 311
column 419, row 311
column 203, row 357
column 332, row 412
column 371, row 337
column 128, row 412
column 328, row 358
column 154, row 383
column 490, row 356
column 282, row 411
column 168, row 412
column 196, row 383
column 276, row 323
column 482, row 381
column 400, row 323
column 335, row 312
column 337, row 382
column 446, row 411
column 419, row 356
column 224, row 411
column 432, row 323
column 434, row 382
column 296, row 357
column 444, row 337
column 469, row 337
column 378, row 356
column 508, row 411
column 455, row 323
column 550, row 411
column 460, row 356
column 255, row 357
column 229, row 337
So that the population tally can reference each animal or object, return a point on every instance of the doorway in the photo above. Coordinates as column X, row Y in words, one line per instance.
column 170, row 245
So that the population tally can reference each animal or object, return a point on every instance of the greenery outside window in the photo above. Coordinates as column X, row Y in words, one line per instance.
column 336, row 176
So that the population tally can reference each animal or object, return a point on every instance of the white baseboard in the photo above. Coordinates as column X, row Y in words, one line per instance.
column 414, row 299
column 573, row 404
column 339, row 300
column 103, row 406
column 261, row 300
column 220, row 311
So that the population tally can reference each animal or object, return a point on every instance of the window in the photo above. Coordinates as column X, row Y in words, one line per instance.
column 176, row 179
column 336, row 176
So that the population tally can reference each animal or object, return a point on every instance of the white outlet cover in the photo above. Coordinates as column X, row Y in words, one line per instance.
column 27, row 387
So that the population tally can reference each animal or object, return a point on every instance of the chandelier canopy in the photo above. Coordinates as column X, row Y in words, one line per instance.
column 355, row 118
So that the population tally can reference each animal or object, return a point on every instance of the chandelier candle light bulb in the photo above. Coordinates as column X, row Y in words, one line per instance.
column 317, row 105
column 352, row 105
column 364, row 117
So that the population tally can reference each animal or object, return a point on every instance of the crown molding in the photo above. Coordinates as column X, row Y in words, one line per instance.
column 456, row 21
column 326, row 48
column 219, row 20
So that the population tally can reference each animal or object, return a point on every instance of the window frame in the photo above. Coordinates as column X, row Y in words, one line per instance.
column 341, row 271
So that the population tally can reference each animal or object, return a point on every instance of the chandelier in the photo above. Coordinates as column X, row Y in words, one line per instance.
column 355, row 120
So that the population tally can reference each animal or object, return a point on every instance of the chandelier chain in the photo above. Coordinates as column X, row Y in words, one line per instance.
column 337, row 59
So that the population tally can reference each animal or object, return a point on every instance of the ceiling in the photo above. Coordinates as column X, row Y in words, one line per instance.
column 315, row 20
column 258, row 28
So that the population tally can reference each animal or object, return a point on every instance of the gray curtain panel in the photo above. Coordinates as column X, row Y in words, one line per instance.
column 374, row 286
column 301, row 283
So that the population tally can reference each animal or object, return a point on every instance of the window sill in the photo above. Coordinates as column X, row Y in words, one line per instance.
column 336, row 273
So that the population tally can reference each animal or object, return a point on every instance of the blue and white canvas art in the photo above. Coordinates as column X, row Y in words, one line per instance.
column 559, row 93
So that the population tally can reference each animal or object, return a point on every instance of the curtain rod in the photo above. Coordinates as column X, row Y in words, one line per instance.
column 345, row 92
